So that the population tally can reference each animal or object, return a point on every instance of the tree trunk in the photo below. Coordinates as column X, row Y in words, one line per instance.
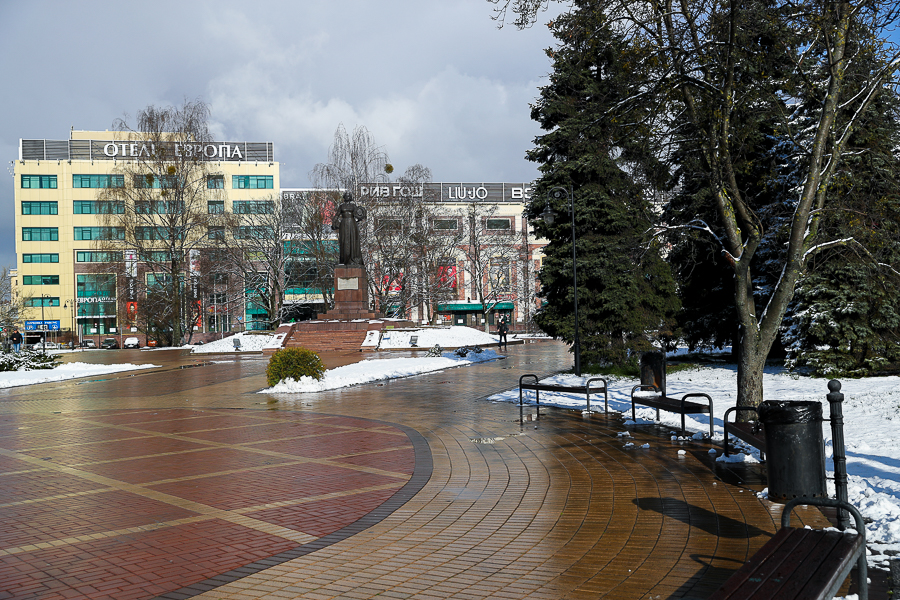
column 751, row 362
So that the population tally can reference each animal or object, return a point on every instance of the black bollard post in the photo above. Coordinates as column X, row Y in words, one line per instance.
column 835, row 398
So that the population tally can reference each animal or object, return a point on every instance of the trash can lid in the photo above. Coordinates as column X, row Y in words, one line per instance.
column 786, row 411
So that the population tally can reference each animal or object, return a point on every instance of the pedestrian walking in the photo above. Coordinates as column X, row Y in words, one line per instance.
column 502, row 329
column 16, row 340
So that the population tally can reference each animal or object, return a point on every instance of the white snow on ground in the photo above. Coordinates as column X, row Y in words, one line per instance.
column 446, row 337
column 250, row 342
column 378, row 370
column 61, row 373
column 871, row 411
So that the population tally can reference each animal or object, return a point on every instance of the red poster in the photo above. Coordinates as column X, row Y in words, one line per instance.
column 131, row 311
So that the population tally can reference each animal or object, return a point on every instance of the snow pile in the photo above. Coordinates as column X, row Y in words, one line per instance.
column 446, row 337
column 63, row 372
column 378, row 370
column 250, row 342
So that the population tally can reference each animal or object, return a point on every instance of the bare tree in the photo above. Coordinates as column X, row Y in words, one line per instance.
column 352, row 160
column 12, row 303
column 491, row 254
column 158, row 208
column 314, row 250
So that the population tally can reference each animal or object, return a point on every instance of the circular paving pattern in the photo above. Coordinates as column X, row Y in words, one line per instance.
column 138, row 503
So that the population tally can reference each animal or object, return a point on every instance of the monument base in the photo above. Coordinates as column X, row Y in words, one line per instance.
column 351, row 295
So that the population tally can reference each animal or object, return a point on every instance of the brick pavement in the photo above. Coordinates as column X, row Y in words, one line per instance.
column 185, row 483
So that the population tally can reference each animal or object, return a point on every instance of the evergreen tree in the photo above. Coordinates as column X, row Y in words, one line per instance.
column 626, row 293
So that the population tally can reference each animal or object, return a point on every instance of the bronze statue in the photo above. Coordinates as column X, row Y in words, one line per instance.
column 345, row 222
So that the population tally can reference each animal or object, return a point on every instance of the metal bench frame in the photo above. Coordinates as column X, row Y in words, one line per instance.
column 550, row 387
column 751, row 432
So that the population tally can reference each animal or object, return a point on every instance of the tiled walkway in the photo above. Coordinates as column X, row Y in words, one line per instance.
column 183, row 482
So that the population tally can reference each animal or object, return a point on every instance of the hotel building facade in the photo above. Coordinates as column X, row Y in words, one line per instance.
column 59, row 221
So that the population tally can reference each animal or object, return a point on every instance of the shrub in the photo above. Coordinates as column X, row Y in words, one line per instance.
column 27, row 360
column 294, row 363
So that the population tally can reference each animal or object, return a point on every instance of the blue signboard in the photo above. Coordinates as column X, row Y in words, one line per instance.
column 41, row 325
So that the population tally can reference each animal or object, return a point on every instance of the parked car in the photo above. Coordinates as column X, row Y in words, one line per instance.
column 131, row 342
column 109, row 344
column 88, row 343
column 45, row 346
column 152, row 343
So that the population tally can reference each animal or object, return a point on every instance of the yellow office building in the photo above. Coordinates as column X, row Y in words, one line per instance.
column 59, row 217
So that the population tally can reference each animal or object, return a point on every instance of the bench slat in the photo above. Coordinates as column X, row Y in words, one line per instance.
column 749, row 577
column 672, row 404
column 794, row 564
column 744, row 431
column 803, row 568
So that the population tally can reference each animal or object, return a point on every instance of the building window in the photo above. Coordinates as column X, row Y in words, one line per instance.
column 215, row 207
column 446, row 224
column 220, row 278
column 247, row 232
column 252, row 182
column 40, row 258
column 156, row 256
column 152, row 181
column 498, row 224
column 99, row 233
column 253, row 207
column 96, row 294
column 40, row 279
column 98, row 207
column 33, row 182
column 215, row 182
column 151, row 233
column 43, row 301
column 40, row 234
column 39, row 208
column 158, row 207
column 389, row 224
column 97, row 257
column 98, row 181
column 216, row 233
column 218, row 298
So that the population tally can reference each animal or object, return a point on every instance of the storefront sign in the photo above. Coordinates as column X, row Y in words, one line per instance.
column 447, row 192
column 96, row 300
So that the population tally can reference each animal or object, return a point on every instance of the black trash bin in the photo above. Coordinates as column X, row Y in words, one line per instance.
column 795, row 449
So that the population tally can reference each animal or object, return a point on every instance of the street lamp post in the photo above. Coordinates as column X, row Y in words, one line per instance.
column 70, row 304
column 549, row 215
column 43, row 325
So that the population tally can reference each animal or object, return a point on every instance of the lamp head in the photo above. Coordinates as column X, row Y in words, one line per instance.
column 548, row 215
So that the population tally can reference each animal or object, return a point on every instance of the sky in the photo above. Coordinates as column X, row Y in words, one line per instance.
column 435, row 83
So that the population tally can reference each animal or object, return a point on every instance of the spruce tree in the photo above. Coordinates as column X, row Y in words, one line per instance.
column 626, row 293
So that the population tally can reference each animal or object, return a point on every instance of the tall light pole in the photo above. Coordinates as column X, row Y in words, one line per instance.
column 70, row 304
column 549, row 215
column 43, row 324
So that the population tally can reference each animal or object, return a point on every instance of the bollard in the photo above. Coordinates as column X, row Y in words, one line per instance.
column 839, row 455
column 795, row 449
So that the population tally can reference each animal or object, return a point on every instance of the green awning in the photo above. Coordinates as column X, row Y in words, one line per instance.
column 472, row 307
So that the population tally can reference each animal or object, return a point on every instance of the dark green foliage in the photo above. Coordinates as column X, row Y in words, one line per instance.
column 294, row 363
column 27, row 360
column 626, row 293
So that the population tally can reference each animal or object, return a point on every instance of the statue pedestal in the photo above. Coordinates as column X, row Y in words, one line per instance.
column 344, row 328
column 351, row 295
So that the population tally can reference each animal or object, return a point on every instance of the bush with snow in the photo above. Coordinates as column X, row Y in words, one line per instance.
column 28, row 360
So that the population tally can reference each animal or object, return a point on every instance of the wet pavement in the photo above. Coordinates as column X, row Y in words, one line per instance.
column 182, row 481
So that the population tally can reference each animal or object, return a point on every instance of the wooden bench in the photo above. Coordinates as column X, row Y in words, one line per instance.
column 585, row 389
column 653, row 378
column 802, row 563
column 751, row 432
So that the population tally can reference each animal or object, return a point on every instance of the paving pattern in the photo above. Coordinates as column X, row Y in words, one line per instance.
column 183, row 482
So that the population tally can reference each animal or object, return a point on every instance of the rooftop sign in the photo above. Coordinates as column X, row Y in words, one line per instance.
column 447, row 192
column 130, row 149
